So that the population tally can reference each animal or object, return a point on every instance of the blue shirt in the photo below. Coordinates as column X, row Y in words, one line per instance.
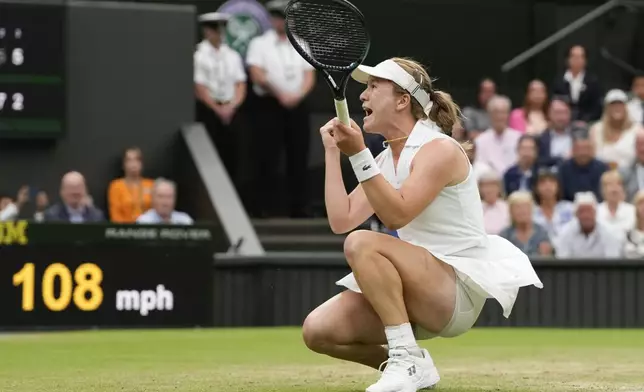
column 516, row 180
column 575, row 178
column 531, row 247
column 176, row 218
column 562, row 214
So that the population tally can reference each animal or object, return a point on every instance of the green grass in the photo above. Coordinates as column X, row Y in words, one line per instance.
column 261, row 360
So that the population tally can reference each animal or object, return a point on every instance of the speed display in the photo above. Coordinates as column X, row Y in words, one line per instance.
column 32, row 69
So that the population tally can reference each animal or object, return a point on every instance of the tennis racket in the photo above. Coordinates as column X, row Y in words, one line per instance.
column 332, row 36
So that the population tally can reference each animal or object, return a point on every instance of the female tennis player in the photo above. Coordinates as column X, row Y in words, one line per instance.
column 435, row 279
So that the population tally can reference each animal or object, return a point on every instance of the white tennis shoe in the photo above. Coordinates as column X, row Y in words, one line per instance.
column 406, row 373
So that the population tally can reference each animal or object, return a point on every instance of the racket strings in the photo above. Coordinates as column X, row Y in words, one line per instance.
column 331, row 34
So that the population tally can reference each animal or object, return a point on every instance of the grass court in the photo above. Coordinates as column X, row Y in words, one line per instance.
column 262, row 360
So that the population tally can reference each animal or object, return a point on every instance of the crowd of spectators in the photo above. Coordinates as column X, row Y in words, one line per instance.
column 562, row 174
column 131, row 199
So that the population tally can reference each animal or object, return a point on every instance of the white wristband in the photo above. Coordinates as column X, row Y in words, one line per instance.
column 364, row 165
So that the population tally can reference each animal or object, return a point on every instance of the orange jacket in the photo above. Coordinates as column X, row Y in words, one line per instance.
column 127, row 202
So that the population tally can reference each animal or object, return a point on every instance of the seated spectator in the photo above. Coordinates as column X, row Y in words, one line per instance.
column 479, row 167
column 614, row 209
column 129, row 196
column 582, row 172
column 497, row 146
column 636, row 104
column 634, row 244
column 42, row 203
column 532, row 118
column 581, row 88
column 495, row 211
column 550, row 211
column 476, row 118
column 586, row 236
column 164, row 196
column 74, row 207
column 555, row 143
column 9, row 209
column 614, row 136
column 531, row 238
column 520, row 177
column 633, row 176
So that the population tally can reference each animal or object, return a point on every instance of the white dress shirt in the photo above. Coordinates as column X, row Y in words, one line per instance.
column 284, row 67
column 576, row 84
column 620, row 152
column 219, row 70
column 603, row 242
column 624, row 218
column 151, row 217
column 636, row 110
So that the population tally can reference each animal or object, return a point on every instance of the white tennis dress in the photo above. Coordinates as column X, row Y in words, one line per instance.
column 451, row 228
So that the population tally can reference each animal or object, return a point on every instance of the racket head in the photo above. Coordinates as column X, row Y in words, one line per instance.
column 331, row 35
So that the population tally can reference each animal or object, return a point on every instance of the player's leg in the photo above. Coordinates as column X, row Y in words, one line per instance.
column 403, row 283
column 346, row 327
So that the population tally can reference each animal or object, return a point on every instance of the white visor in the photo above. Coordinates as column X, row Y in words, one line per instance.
column 390, row 70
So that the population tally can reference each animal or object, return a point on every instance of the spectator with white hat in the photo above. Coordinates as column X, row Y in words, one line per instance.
column 614, row 136
column 220, row 87
column 282, row 80
column 586, row 236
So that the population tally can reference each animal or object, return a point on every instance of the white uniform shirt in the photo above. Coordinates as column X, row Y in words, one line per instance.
column 636, row 110
column 624, row 218
column 451, row 227
column 219, row 70
column 604, row 242
column 284, row 67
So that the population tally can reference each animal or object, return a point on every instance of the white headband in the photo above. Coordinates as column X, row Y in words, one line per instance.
column 390, row 70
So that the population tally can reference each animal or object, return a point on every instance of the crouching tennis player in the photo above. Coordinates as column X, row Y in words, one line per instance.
column 434, row 280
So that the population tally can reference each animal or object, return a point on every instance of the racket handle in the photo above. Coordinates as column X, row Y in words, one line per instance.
column 342, row 111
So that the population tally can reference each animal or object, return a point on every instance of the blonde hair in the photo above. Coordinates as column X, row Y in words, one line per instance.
column 611, row 175
column 444, row 111
column 520, row 197
column 606, row 129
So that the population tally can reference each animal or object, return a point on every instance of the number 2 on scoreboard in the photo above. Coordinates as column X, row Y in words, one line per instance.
column 88, row 278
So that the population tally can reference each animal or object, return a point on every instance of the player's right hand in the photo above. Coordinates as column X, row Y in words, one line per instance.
column 327, row 136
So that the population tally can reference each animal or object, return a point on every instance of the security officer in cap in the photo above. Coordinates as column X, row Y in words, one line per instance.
column 282, row 80
column 220, row 86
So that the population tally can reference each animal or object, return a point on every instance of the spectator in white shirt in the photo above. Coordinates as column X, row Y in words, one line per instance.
column 586, row 236
column 220, row 87
column 634, row 245
column 614, row 209
column 636, row 104
column 496, row 214
column 551, row 212
column 497, row 146
column 282, row 80
column 614, row 136
column 164, row 195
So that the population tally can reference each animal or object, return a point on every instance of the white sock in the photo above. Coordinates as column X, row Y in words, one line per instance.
column 401, row 336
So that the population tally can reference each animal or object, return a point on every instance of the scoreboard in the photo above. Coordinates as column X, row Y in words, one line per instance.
column 32, row 70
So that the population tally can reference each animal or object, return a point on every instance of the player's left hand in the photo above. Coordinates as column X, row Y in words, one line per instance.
column 348, row 139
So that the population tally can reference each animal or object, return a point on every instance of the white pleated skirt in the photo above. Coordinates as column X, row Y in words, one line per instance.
column 497, row 271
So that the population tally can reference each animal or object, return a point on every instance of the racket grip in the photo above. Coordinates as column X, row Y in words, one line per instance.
column 342, row 111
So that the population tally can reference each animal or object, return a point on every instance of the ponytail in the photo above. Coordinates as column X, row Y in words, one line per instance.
column 446, row 114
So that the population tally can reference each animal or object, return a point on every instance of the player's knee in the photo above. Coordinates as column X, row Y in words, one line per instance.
column 314, row 333
column 357, row 243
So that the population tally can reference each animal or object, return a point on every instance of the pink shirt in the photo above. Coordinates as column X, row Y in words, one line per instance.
column 535, row 124
column 496, row 217
column 497, row 151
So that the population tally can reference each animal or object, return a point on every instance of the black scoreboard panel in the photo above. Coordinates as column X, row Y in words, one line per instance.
column 32, row 69
column 60, row 286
